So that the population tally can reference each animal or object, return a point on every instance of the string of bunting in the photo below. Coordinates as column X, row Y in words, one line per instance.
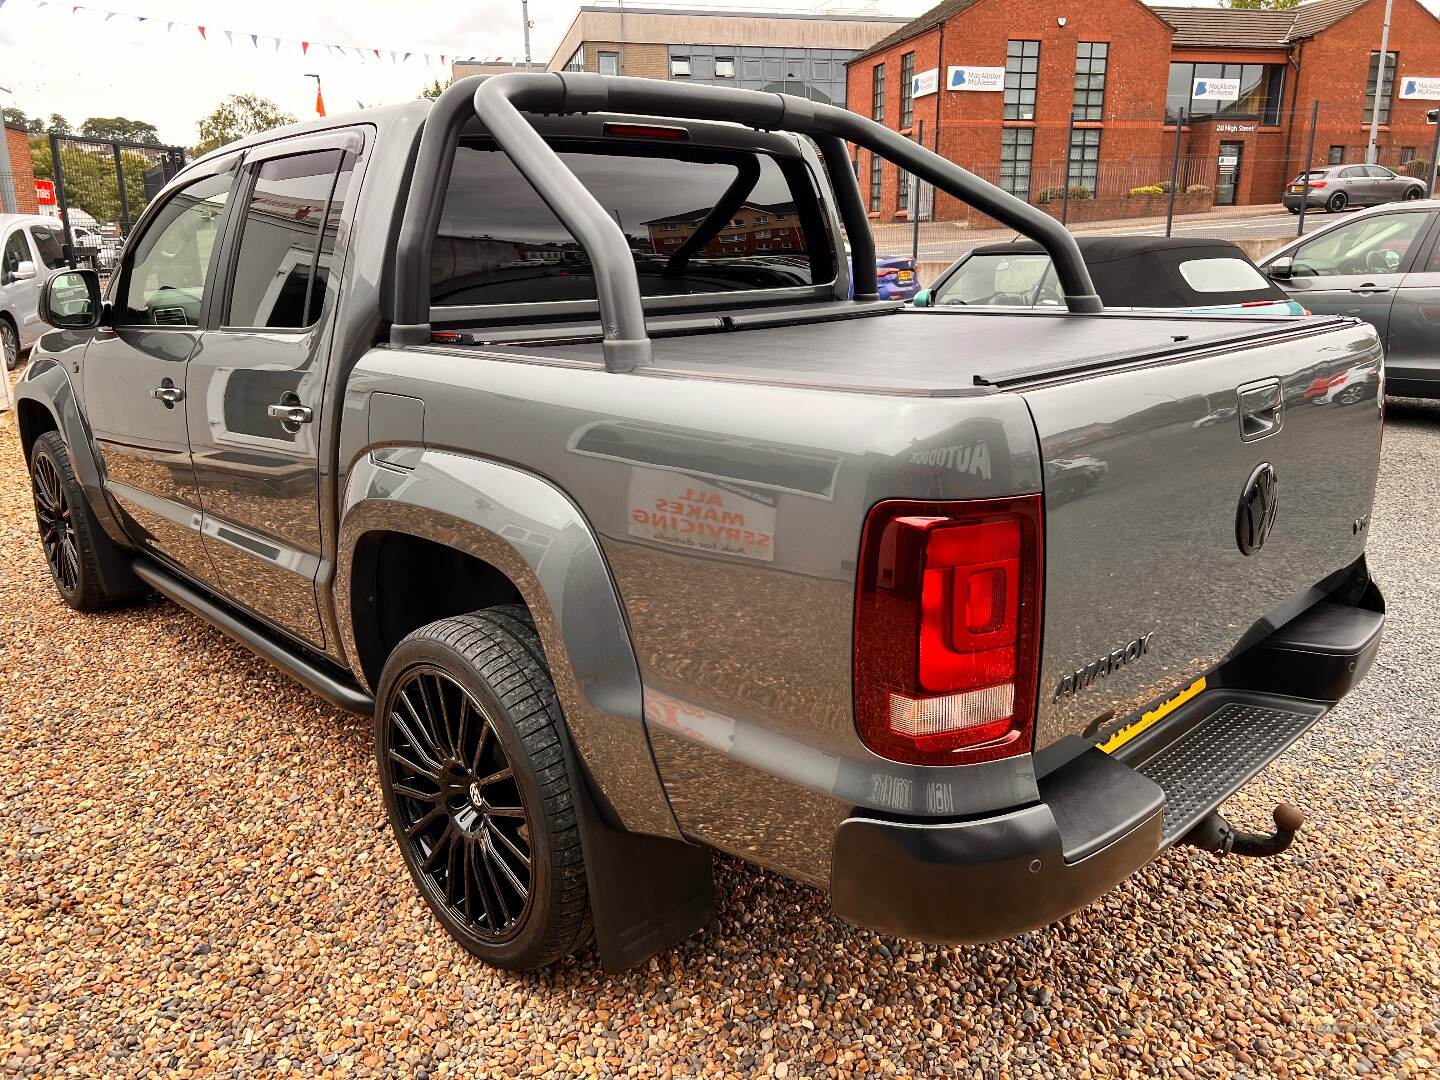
column 211, row 34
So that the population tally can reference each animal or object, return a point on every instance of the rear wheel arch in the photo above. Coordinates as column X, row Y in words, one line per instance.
column 34, row 419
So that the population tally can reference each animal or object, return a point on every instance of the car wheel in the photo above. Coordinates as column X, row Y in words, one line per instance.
column 1349, row 395
column 9, row 344
column 1413, row 193
column 69, row 534
column 1293, row 209
column 468, row 741
column 1336, row 202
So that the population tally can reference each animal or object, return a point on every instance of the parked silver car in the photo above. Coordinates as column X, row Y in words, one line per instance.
column 1337, row 187
column 1383, row 266
column 29, row 254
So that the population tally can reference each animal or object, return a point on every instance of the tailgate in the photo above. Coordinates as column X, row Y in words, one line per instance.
column 1156, row 478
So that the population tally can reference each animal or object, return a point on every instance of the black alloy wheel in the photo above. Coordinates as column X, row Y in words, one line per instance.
column 1336, row 202
column 471, row 747
column 55, row 517
column 461, row 811
column 9, row 344
column 1413, row 193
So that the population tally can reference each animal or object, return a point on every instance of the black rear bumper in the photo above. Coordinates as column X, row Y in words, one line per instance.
column 1102, row 817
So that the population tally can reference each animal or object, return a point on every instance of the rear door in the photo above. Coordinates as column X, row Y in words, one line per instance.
column 1146, row 562
column 1412, row 347
column 254, row 388
column 1355, row 268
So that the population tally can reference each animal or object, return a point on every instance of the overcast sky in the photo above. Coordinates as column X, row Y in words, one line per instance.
column 82, row 65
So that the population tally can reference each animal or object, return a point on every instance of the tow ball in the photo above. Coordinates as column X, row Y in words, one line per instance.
column 1214, row 833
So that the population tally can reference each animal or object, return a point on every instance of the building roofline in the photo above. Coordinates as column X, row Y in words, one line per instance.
column 743, row 13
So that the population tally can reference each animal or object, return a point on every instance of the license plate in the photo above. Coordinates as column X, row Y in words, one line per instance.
column 1151, row 718
column 905, row 276
column 1297, row 188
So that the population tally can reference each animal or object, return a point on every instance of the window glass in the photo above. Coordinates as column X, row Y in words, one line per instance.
column 877, row 95
column 17, row 250
column 679, row 67
column 1084, row 158
column 1355, row 172
column 168, row 266
column 50, row 243
column 608, row 63
column 1003, row 280
column 275, row 284
column 1375, row 245
column 1386, row 93
column 1379, row 172
column 724, row 67
column 1262, row 88
column 1022, row 70
column 1016, row 147
column 877, row 179
column 1222, row 275
column 907, row 88
column 499, row 243
column 1335, row 157
column 1090, row 60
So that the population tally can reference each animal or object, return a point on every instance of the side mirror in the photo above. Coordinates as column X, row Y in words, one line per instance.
column 1282, row 269
column 922, row 298
column 24, row 272
column 71, row 300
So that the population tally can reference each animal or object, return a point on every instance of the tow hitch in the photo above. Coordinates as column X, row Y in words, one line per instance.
column 1214, row 833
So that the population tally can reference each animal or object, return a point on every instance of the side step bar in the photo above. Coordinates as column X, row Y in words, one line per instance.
column 335, row 689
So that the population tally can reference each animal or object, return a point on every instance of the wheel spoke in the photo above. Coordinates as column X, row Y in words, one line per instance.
column 488, row 859
column 507, row 773
column 457, row 741
column 480, row 887
column 414, row 793
column 455, row 864
column 445, row 840
column 493, row 856
column 419, row 826
column 499, row 834
column 431, row 717
column 419, row 741
column 480, row 742
column 422, row 771
column 506, row 811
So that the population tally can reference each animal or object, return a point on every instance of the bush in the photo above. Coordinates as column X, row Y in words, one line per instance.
column 1057, row 194
column 1197, row 189
column 1146, row 189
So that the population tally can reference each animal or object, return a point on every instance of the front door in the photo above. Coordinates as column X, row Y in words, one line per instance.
column 134, row 374
column 20, row 296
column 1355, row 269
column 1227, row 182
column 254, row 388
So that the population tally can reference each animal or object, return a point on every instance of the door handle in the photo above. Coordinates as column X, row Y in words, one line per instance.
column 1370, row 290
column 168, row 394
column 291, row 414
column 1262, row 409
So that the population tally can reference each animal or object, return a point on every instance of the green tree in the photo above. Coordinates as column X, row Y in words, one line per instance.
column 120, row 129
column 1264, row 5
column 58, row 125
column 16, row 117
column 434, row 90
column 90, row 180
column 237, row 116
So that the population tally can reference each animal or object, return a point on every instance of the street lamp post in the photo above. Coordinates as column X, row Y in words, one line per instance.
column 1372, row 150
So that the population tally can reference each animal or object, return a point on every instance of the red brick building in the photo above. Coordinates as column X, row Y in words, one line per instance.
column 22, row 175
column 993, row 84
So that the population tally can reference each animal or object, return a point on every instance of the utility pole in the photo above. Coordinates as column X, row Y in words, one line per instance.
column 1371, row 150
column 525, row 18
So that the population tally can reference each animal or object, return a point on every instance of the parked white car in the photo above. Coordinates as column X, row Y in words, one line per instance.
column 30, row 251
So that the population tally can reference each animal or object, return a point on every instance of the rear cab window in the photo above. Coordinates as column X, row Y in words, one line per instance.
column 700, row 220
column 1222, row 276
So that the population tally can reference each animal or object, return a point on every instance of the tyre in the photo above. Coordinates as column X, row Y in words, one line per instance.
column 478, row 790
column 69, row 534
column 9, row 344
column 1413, row 193
column 1294, row 210
column 1336, row 202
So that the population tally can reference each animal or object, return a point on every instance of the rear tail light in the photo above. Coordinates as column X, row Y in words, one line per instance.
column 1316, row 185
column 947, row 629
column 887, row 271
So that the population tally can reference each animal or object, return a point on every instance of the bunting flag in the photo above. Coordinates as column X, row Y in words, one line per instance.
column 346, row 51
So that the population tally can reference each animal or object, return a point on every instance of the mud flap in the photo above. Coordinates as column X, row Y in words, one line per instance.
column 647, row 893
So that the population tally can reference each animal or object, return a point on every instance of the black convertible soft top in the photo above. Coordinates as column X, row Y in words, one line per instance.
column 1144, row 271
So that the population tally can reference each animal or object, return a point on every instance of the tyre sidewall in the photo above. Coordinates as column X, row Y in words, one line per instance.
column 529, row 945
column 89, row 594
column 9, row 344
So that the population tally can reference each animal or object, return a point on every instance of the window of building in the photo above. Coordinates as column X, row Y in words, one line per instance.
column 724, row 67
column 1407, row 153
column 1016, row 145
column 1262, row 87
column 608, row 63
column 280, row 272
column 1387, row 92
column 907, row 89
column 902, row 190
column 1337, row 155
column 679, row 67
column 877, row 177
column 1090, row 61
column 1084, row 169
column 576, row 61
column 1022, row 69
column 877, row 95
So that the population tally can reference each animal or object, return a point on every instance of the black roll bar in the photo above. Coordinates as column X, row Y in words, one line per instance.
column 500, row 100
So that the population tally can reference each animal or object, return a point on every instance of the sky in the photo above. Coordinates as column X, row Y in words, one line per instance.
column 83, row 65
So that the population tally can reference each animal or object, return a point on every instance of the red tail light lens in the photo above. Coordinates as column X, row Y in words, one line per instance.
column 947, row 629
column 1316, row 185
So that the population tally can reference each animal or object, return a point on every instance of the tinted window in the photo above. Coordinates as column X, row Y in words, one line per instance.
column 1375, row 245
column 500, row 244
column 169, row 265
column 1008, row 280
column 16, row 252
column 49, row 242
column 1379, row 173
column 276, row 284
column 1352, row 173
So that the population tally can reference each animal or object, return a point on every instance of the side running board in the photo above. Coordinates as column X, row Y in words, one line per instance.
column 333, row 687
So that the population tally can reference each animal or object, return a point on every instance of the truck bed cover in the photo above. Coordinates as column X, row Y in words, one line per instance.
column 929, row 353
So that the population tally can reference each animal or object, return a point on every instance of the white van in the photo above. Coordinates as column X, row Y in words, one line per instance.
column 30, row 251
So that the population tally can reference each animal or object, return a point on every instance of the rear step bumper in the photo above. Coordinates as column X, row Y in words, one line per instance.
column 1100, row 817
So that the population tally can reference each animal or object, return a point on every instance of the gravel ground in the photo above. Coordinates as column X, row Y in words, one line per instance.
column 197, row 881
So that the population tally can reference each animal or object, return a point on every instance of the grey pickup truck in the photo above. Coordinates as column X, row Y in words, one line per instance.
column 546, row 423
